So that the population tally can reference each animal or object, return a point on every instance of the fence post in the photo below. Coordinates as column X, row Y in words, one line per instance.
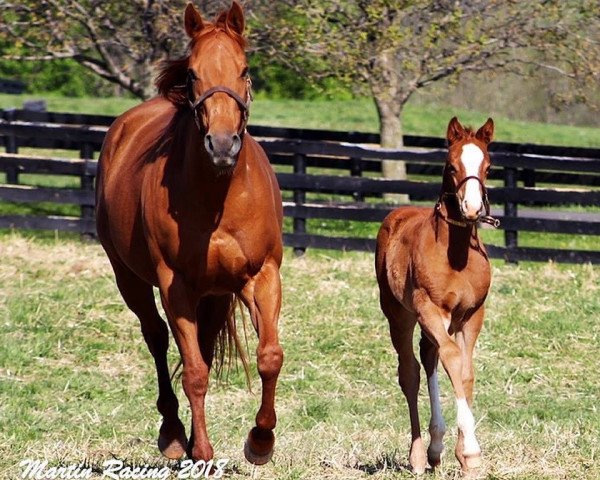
column 12, row 173
column 510, row 210
column 529, row 177
column 87, row 185
column 299, row 199
column 356, row 171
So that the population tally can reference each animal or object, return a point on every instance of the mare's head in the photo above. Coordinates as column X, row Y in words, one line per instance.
column 467, row 167
column 217, row 85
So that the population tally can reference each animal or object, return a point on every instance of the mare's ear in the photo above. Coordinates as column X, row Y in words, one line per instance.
column 235, row 18
column 455, row 131
column 486, row 132
column 192, row 20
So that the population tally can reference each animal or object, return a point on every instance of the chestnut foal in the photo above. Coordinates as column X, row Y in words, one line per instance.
column 432, row 269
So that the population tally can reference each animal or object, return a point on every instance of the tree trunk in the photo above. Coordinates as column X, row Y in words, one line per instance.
column 389, row 92
column 390, row 128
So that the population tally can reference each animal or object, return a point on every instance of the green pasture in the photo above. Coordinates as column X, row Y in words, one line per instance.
column 77, row 382
column 349, row 115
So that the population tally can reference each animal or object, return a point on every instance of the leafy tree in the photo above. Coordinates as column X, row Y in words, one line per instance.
column 392, row 48
column 122, row 41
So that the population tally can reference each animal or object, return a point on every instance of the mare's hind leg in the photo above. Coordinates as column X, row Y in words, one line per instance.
column 402, row 325
column 437, row 426
column 211, row 315
column 139, row 297
column 262, row 296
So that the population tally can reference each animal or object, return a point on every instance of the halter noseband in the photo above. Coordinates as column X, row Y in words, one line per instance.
column 487, row 218
column 199, row 102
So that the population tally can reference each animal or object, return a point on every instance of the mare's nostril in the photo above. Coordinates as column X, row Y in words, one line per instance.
column 236, row 144
column 208, row 143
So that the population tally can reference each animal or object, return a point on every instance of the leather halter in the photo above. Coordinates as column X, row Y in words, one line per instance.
column 199, row 102
column 487, row 218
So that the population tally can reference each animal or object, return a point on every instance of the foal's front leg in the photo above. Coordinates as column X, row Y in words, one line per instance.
column 178, row 302
column 262, row 296
column 431, row 318
column 466, row 338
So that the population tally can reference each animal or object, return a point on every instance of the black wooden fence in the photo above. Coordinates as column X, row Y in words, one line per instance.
column 328, row 175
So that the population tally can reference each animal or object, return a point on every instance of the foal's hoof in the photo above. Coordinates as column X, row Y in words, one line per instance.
column 434, row 457
column 172, row 442
column 471, row 466
column 258, row 448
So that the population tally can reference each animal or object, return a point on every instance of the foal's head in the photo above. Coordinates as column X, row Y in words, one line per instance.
column 217, row 85
column 467, row 167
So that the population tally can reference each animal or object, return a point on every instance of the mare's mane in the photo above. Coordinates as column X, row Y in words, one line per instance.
column 172, row 77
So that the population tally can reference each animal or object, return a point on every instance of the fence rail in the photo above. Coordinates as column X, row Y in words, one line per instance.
column 326, row 175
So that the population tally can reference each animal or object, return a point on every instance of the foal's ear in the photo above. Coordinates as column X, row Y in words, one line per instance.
column 235, row 18
column 192, row 20
column 455, row 131
column 486, row 132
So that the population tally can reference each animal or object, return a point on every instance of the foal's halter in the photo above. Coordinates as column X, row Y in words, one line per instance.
column 487, row 218
column 195, row 104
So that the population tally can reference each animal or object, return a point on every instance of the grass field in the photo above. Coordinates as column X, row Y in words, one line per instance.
column 77, row 383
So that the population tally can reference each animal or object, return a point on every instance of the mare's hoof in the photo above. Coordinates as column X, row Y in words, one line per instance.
column 254, row 458
column 258, row 448
column 172, row 444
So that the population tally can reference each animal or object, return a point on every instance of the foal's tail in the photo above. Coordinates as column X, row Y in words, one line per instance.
column 228, row 346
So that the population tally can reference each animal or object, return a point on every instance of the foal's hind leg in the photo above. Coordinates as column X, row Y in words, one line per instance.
column 437, row 426
column 402, row 325
column 139, row 297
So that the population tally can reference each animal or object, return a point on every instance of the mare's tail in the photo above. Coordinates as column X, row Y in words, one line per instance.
column 228, row 346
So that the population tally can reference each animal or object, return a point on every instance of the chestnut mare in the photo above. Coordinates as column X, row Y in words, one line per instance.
column 187, row 202
column 432, row 269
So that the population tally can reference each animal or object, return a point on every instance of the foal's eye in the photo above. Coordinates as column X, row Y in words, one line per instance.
column 451, row 169
column 244, row 72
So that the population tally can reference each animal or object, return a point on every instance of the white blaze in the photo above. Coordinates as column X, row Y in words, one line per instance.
column 471, row 158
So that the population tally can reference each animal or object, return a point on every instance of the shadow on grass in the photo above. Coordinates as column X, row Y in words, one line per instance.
column 385, row 463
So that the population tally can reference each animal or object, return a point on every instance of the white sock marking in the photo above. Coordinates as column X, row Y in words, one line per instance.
column 437, row 426
column 466, row 424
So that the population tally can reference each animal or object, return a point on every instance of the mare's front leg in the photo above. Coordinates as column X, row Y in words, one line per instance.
column 262, row 296
column 180, row 305
column 433, row 321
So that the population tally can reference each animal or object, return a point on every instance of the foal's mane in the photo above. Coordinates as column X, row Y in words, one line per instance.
column 172, row 77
